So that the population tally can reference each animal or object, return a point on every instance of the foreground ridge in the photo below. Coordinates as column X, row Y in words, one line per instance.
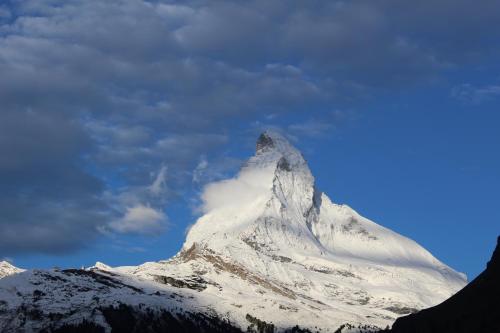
column 270, row 253
column 475, row 308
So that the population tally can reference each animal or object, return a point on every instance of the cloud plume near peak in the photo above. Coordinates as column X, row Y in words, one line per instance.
column 236, row 192
column 98, row 98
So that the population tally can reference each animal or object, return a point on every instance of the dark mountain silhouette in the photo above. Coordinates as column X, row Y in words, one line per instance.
column 474, row 309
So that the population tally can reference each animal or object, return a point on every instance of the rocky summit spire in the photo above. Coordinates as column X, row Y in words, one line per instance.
column 274, row 141
column 274, row 185
column 274, row 149
column 264, row 142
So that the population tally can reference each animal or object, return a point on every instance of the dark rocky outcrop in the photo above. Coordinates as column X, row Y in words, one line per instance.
column 258, row 326
column 284, row 165
column 195, row 282
column 474, row 309
column 265, row 141
column 126, row 319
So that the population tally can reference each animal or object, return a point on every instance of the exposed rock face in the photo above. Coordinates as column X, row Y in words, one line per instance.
column 475, row 308
column 270, row 253
column 264, row 142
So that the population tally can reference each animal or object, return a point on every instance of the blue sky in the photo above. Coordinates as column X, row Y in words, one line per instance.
column 107, row 141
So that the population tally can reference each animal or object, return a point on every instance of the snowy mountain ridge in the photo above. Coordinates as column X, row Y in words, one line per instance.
column 270, row 248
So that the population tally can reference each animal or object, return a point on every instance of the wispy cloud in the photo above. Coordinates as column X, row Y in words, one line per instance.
column 476, row 94
column 159, row 184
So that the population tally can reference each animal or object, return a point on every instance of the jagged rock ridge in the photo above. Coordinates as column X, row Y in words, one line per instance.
column 269, row 246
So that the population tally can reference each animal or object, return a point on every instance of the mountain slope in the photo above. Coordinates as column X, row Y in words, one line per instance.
column 473, row 309
column 270, row 248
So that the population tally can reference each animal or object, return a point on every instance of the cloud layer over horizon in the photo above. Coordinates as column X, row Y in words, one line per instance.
column 110, row 109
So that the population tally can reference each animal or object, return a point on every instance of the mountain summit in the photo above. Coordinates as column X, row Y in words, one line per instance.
column 7, row 269
column 270, row 250
column 279, row 227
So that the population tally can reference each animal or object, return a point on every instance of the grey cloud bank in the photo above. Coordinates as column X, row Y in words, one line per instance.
column 97, row 96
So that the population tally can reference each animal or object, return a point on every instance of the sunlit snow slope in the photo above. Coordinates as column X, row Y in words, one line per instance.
column 269, row 246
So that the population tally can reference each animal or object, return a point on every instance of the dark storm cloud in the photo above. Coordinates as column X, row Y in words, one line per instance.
column 101, row 100
column 46, row 201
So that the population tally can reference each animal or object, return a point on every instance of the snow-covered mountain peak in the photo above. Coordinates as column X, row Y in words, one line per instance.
column 274, row 185
column 101, row 266
column 274, row 148
column 7, row 269
column 273, row 207
column 270, row 141
column 271, row 226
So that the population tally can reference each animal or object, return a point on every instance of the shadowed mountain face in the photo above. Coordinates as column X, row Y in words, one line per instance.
column 476, row 308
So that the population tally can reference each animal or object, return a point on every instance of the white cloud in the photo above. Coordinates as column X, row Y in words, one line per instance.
column 233, row 193
column 159, row 183
column 200, row 169
column 141, row 207
column 140, row 219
